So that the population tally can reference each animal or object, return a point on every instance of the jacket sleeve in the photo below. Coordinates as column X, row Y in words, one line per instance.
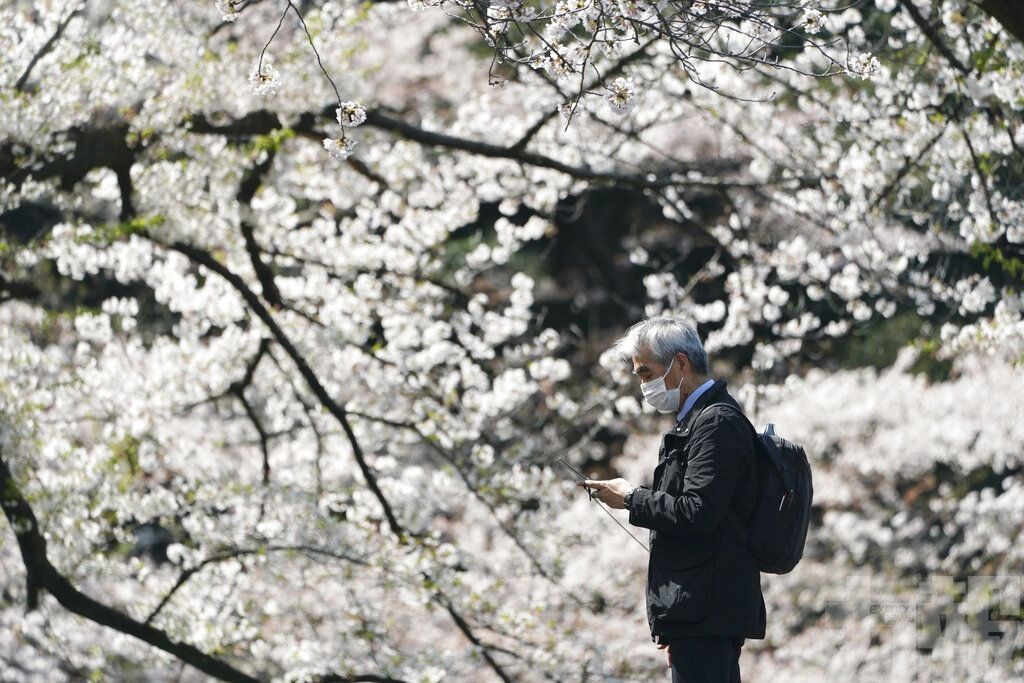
column 719, row 446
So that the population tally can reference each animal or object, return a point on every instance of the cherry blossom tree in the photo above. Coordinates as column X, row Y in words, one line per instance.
column 278, row 399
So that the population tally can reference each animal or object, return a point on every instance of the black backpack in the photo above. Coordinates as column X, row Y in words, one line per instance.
column 777, row 531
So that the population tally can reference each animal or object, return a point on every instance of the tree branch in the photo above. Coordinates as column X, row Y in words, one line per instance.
column 234, row 554
column 41, row 575
column 250, row 184
column 933, row 35
column 19, row 85
column 15, row 289
column 262, row 122
column 204, row 258
column 1009, row 13
column 207, row 260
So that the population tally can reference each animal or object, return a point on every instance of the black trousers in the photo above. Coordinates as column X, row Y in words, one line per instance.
column 706, row 659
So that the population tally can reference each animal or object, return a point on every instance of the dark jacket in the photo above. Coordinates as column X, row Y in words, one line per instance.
column 700, row 580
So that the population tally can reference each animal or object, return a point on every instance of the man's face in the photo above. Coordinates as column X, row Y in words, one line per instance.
column 646, row 368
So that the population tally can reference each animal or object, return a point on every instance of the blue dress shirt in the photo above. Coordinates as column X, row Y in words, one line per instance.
column 692, row 398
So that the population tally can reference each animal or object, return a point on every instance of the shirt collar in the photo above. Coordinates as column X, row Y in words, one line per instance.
column 692, row 398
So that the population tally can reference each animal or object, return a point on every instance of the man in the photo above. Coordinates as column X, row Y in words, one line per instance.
column 703, row 589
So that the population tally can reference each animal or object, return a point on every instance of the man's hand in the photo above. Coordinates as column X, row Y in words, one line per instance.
column 609, row 491
column 662, row 646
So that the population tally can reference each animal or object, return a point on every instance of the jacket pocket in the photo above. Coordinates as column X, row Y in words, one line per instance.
column 680, row 593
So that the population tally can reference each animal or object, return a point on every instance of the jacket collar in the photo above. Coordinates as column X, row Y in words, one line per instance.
column 710, row 396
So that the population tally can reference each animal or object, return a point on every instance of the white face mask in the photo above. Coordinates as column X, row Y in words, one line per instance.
column 658, row 395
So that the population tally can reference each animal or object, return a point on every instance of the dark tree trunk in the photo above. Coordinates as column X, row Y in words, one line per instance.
column 1009, row 13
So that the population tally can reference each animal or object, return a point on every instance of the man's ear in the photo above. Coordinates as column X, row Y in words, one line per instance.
column 683, row 362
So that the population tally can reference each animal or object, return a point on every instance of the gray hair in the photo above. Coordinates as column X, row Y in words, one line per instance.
column 664, row 337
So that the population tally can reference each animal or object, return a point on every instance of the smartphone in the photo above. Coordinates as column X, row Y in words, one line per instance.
column 579, row 475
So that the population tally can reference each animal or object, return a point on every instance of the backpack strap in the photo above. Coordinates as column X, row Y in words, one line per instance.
column 742, row 530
